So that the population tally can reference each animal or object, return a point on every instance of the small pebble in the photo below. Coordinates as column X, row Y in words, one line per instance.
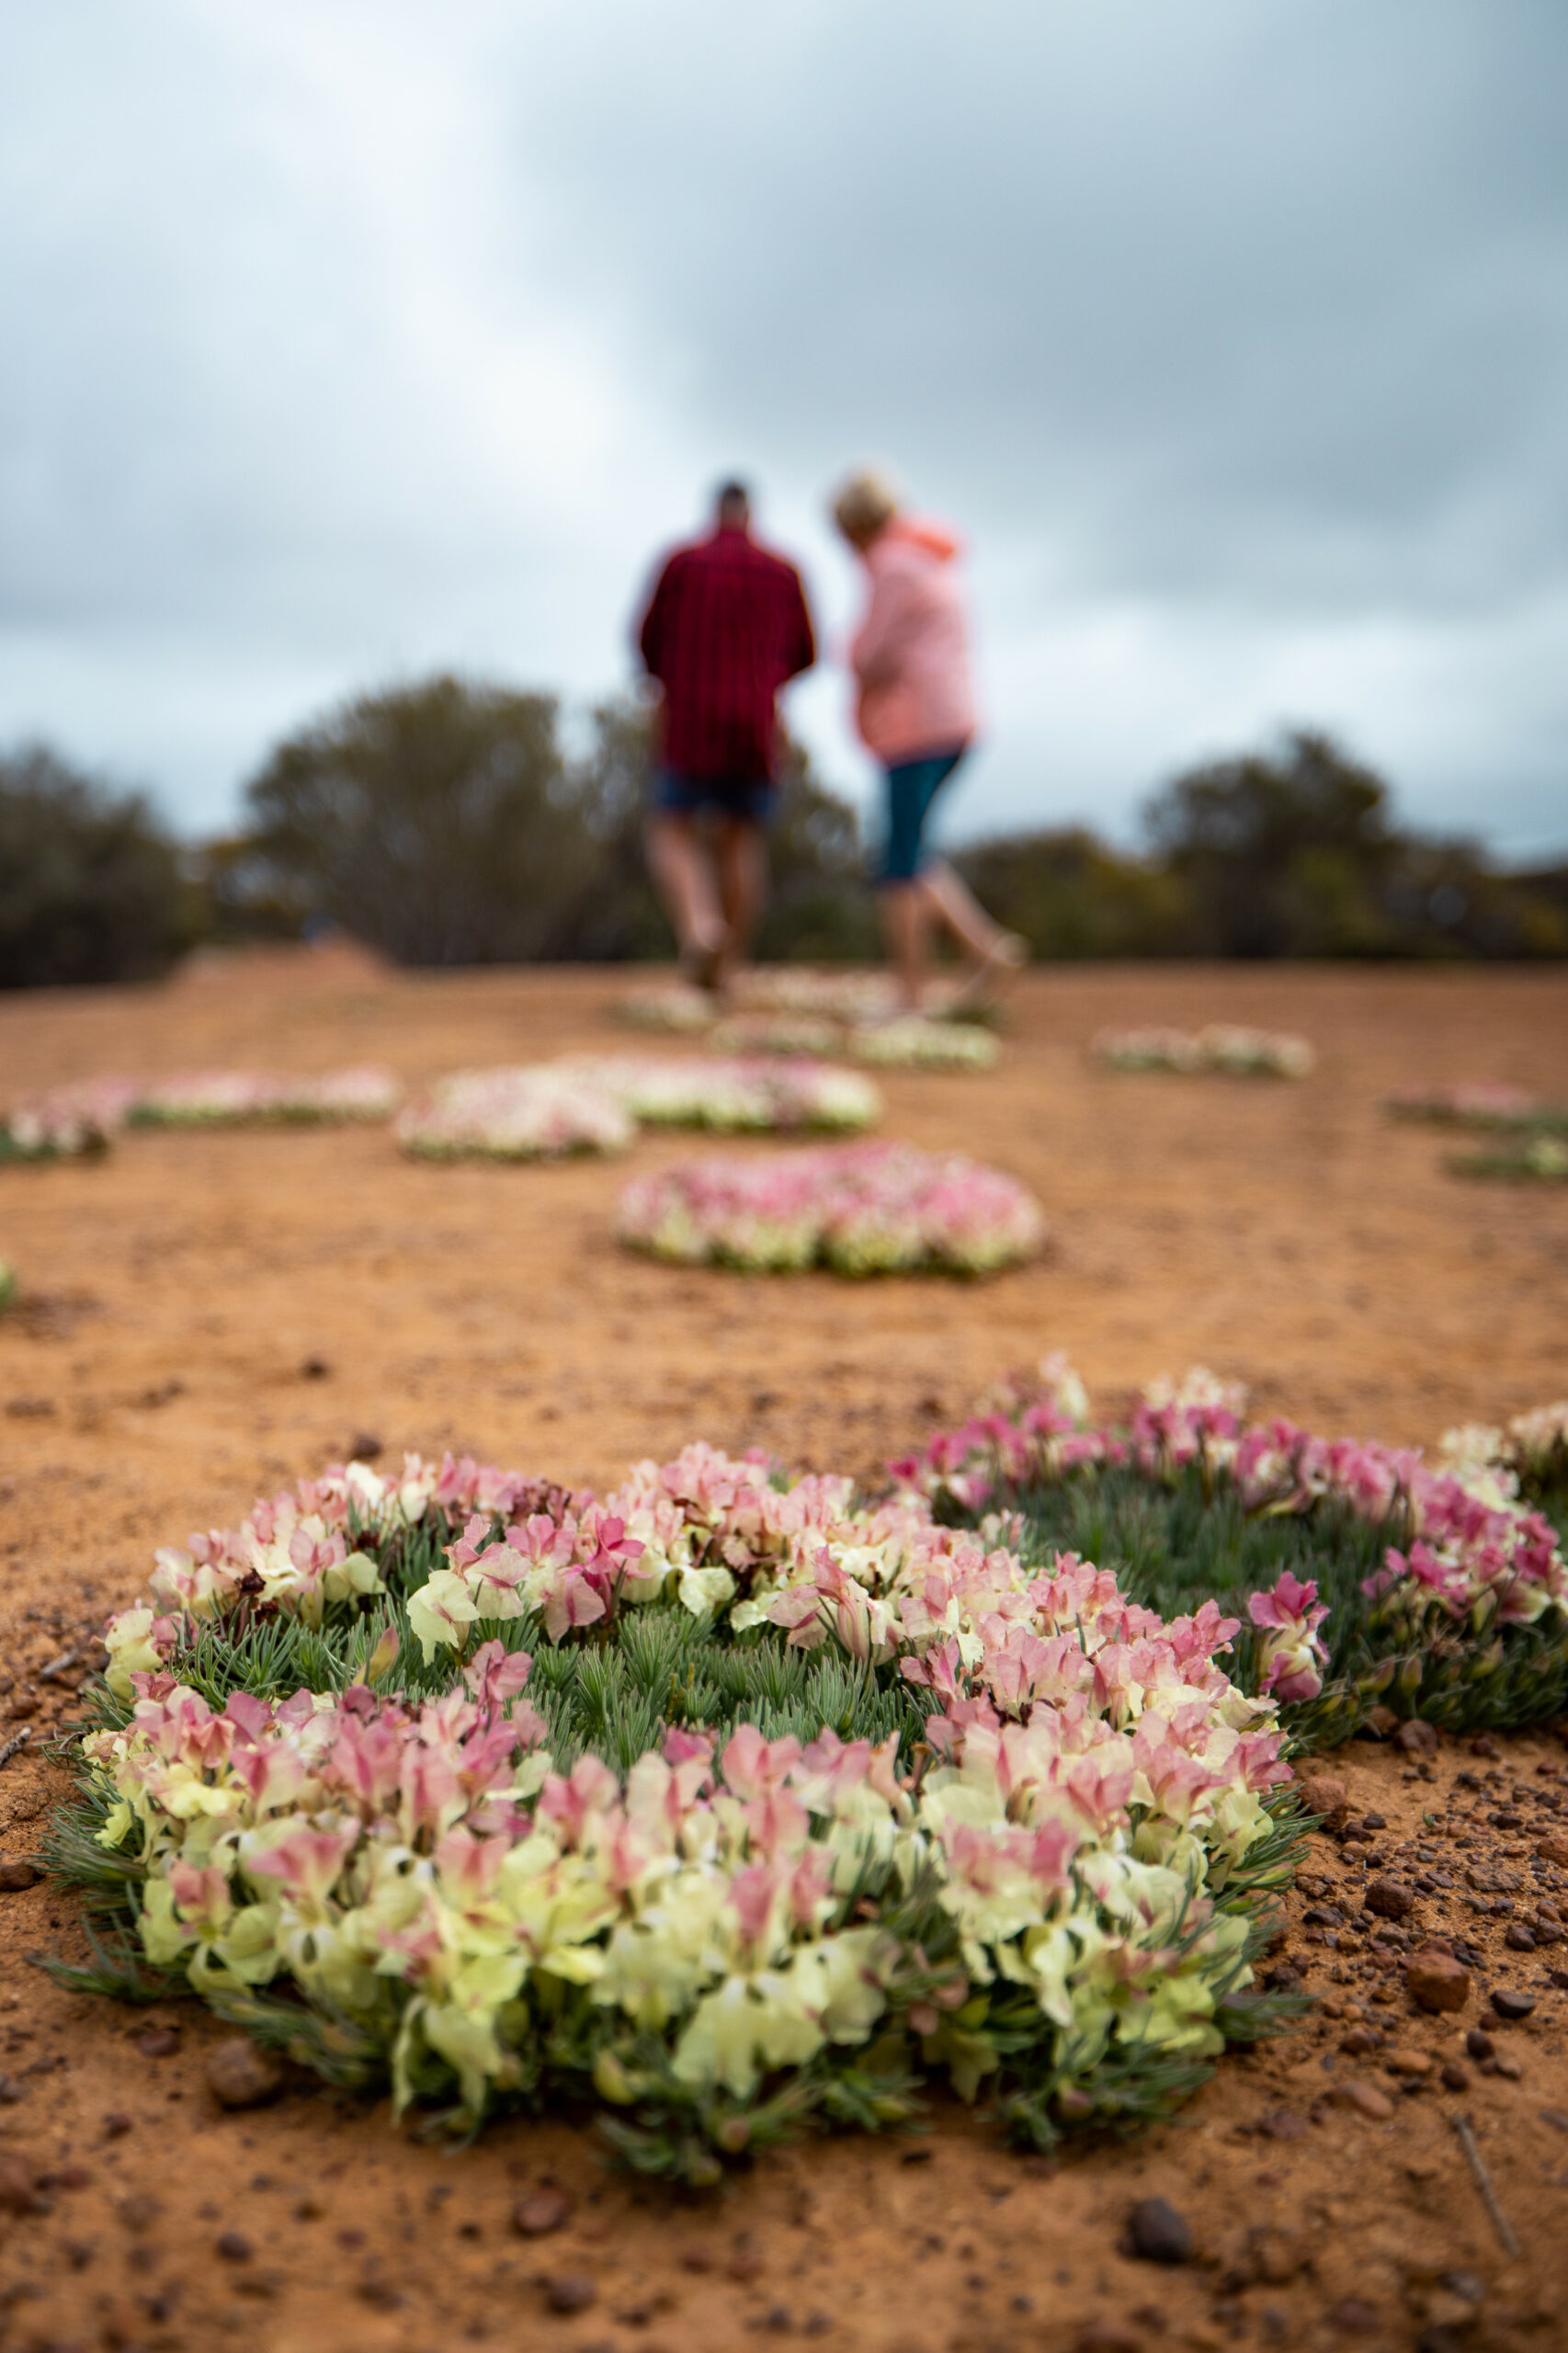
column 540, row 2213
column 1479, row 2043
column 1365, row 2098
column 1509, row 2003
column 158, row 2042
column 1389, row 1899
column 241, row 2075
column 16, row 1876
column 570, row 2292
column 234, row 2247
column 1436, row 1981
column 1157, row 2234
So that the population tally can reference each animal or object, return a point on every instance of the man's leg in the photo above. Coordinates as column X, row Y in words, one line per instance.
column 682, row 878
column 743, row 886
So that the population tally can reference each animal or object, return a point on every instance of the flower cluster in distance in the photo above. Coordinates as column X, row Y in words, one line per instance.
column 860, row 1209
column 84, row 1117
column 530, row 1112
column 733, row 1096
column 1224, row 1046
column 1474, row 1103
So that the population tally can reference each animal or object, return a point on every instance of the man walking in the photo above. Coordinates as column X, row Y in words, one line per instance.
column 725, row 629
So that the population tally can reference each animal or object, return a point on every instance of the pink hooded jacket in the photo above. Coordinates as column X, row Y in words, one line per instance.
column 910, row 655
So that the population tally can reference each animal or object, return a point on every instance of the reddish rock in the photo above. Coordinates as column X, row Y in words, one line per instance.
column 541, row 2211
column 241, row 2075
column 1365, row 2098
column 19, row 2190
column 15, row 1876
column 1416, row 1738
column 1553, row 1848
column 1323, row 1794
column 1389, row 1899
column 1509, row 2003
column 570, row 2292
column 1108, row 2334
column 1435, row 1981
column 158, row 2042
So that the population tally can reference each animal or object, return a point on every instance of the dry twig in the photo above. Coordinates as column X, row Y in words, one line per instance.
column 1500, row 2223
column 17, row 1740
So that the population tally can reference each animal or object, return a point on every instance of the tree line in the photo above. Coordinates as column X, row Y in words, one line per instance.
column 453, row 823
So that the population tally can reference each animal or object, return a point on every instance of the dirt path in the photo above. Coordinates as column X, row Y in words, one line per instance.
column 210, row 1316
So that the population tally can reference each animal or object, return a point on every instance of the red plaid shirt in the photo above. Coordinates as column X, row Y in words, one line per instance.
column 726, row 626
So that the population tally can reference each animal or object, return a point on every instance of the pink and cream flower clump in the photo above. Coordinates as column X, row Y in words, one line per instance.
column 86, row 1115
column 1473, row 1546
column 1091, row 1783
column 1472, row 1103
column 735, row 1095
column 530, row 1112
column 1228, row 1047
column 858, row 1210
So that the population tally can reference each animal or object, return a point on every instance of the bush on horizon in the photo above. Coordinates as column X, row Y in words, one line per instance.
column 451, row 821
column 90, row 884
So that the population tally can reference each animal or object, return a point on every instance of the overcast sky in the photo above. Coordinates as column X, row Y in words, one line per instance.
column 343, row 342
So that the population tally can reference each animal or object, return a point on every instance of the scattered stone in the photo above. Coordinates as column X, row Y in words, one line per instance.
column 1387, row 1899
column 1417, row 1738
column 16, row 1876
column 1506, row 2065
column 1416, row 2063
column 1157, row 2234
column 1323, row 1794
column 116, row 2124
column 234, row 2247
column 1479, row 2043
column 1108, row 2334
column 570, row 2292
column 314, row 1368
column 1455, row 2079
column 1283, row 2124
column 239, row 2074
column 1435, row 1981
column 1361, row 2042
column 158, row 2042
column 19, row 2190
column 1484, row 1745
column 1555, row 2118
column 1365, row 2098
column 1553, row 1848
column 1517, row 1937
column 541, row 2211
column 1354, row 2316
column 1510, row 2003
column 364, row 1447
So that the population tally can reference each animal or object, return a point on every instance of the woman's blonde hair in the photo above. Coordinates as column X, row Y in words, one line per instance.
column 865, row 505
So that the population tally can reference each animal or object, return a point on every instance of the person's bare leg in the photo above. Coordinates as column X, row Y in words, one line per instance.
column 742, row 889
column 992, row 952
column 958, row 910
column 903, row 908
column 684, row 882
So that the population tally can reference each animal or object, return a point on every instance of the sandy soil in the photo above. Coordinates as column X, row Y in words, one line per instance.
column 209, row 1315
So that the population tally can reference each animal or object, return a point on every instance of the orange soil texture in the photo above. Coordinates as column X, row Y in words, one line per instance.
column 208, row 1316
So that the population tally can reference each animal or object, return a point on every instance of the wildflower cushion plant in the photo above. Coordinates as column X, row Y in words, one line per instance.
column 727, row 1798
column 1226, row 1047
column 1432, row 1589
column 858, row 1209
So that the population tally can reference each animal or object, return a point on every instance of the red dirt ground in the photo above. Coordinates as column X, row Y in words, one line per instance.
column 156, row 1377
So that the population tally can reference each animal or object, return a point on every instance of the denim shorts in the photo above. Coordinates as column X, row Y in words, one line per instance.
column 747, row 799
column 912, row 787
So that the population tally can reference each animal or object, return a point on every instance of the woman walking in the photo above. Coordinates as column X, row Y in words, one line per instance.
column 915, row 711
